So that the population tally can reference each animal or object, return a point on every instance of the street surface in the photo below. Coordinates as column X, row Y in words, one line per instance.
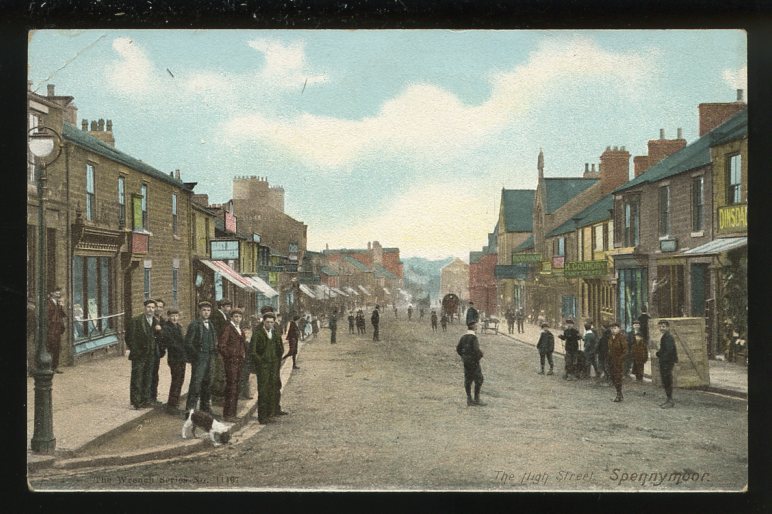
column 393, row 415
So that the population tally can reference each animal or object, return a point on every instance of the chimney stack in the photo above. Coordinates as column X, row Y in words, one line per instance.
column 98, row 131
column 680, row 133
column 739, row 95
column 714, row 114
column 93, row 126
column 177, row 174
column 51, row 90
column 109, row 126
column 614, row 169
column 29, row 85
column 84, row 125
column 662, row 133
column 593, row 167
column 586, row 167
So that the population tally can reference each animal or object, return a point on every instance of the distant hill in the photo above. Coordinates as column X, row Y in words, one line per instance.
column 422, row 276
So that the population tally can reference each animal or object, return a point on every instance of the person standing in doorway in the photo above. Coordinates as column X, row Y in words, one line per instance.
column 173, row 344
column 617, row 354
column 140, row 339
column 56, row 317
column 375, row 319
column 201, row 348
column 546, row 346
column 668, row 357
column 469, row 349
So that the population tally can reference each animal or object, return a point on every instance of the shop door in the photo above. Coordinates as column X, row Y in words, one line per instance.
column 700, row 289
column 568, row 309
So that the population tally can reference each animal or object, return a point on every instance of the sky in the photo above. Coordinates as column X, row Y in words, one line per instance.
column 400, row 136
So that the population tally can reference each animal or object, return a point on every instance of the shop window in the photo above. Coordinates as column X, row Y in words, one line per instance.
column 559, row 247
column 669, row 293
column 734, row 179
column 698, row 194
column 92, row 296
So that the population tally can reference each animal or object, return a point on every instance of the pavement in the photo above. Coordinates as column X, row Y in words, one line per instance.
column 726, row 378
column 95, row 425
column 94, row 422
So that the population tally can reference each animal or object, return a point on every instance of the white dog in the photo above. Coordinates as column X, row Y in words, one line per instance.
column 219, row 433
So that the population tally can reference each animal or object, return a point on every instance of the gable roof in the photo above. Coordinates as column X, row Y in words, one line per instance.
column 89, row 142
column 559, row 190
column 692, row 156
column 595, row 213
column 525, row 245
column 474, row 257
column 380, row 271
column 354, row 262
column 328, row 271
column 517, row 205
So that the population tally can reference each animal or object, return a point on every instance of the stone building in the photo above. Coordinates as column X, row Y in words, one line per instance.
column 513, row 228
column 454, row 278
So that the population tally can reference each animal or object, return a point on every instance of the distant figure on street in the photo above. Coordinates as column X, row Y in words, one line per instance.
column 267, row 350
column 233, row 348
column 639, row 351
column 546, row 346
column 520, row 318
column 159, row 351
column 351, row 319
column 409, row 312
column 643, row 319
column 201, row 348
column 140, row 339
column 395, row 313
column 472, row 316
column 56, row 317
column 636, row 330
column 173, row 343
column 375, row 319
column 603, row 342
column 434, row 321
column 469, row 349
column 510, row 317
column 668, row 357
column 293, row 333
column 571, row 337
column 360, row 322
column 617, row 354
column 591, row 350
column 444, row 322
column 420, row 313
column 332, row 323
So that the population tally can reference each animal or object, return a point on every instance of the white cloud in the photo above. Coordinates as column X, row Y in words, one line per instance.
column 285, row 64
column 427, row 123
column 132, row 73
column 737, row 79
column 434, row 221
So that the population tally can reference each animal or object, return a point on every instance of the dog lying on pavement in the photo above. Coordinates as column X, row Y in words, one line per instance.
column 219, row 433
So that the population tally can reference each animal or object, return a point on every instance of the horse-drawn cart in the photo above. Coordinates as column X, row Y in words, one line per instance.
column 490, row 325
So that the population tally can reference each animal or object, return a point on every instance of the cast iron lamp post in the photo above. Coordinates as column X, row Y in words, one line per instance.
column 45, row 144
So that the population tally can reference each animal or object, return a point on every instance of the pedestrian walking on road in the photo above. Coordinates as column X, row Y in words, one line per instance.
column 591, row 350
column 293, row 332
column 668, row 357
column 444, row 322
column 546, row 346
column 420, row 313
column 351, row 319
column 434, row 321
column 469, row 349
column 617, row 354
column 56, row 317
column 520, row 318
column 375, row 319
column 472, row 315
column 395, row 313
column 267, row 350
column 332, row 323
column 603, row 342
column 141, row 341
column 233, row 349
column 173, row 344
column 409, row 312
column 159, row 351
column 639, row 351
column 201, row 348
column 571, row 338
column 510, row 317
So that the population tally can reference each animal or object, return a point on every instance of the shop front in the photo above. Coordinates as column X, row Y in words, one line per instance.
column 632, row 287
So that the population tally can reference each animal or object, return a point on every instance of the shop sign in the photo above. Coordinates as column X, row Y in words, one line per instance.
column 546, row 267
column 223, row 250
column 586, row 269
column 526, row 258
column 273, row 278
column 668, row 245
column 732, row 218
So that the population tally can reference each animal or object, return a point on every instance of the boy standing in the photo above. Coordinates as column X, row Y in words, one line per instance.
column 546, row 346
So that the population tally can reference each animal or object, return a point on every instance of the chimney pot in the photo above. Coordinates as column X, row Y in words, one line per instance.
column 101, row 124
column 739, row 95
column 84, row 125
column 177, row 174
column 607, row 149
column 51, row 90
column 593, row 167
column 93, row 125
column 662, row 133
column 680, row 133
column 586, row 167
column 615, row 148
column 622, row 148
column 109, row 126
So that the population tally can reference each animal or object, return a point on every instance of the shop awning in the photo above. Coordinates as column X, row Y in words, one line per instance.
column 264, row 287
column 323, row 292
column 350, row 290
column 307, row 291
column 365, row 291
column 717, row 246
column 386, row 291
column 341, row 293
column 230, row 275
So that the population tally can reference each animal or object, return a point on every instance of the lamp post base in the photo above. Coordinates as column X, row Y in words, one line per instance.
column 43, row 440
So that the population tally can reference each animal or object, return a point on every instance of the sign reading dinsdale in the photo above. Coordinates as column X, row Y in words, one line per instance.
column 733, row 218
column 523, row 258
column 584, row 269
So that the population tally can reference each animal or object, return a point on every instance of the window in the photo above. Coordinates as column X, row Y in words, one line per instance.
column 669, row 291
column 143, row 192
column 631, row 223
column 581, row 244
column 734, row 180
column 597, row 237
column 174, row 213
column 175, row 273
column 698, row 194
column 121, row 202
column 559, row 247
column 90, row 194
column 610, row 232
column 147, row 283
column 92, row 296
column 664, row 211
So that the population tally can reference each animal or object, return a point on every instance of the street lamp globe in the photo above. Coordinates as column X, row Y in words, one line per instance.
column 41, row 145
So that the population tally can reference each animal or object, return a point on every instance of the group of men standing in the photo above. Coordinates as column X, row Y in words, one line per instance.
column 241, row 350
column 612, row 354
column 515, row 316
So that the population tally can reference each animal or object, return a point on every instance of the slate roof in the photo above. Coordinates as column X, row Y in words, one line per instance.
column 380, row 271
column 89, row 142
column 695, row 155
column 518, row 209
column 595, row 213
column 560, row 190
column 328, row 271
column 474, row 257
column 525, row 245
column 358, row 265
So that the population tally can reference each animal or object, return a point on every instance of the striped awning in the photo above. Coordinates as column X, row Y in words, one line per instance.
column 717, row 246
column 231, row 275
column 364, row 290
column 263, row 287
column 307, row 291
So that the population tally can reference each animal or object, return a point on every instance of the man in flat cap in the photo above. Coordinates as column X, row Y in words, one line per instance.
column 201, row 348
column 668, row 357
column 220, row 319
column 546, row 346
column 617, row 351
column 140, row 339
column 571, row 337
column 469, row 349
column 266, row 352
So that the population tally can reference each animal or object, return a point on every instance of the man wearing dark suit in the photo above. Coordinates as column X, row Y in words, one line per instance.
column 668, row 357
column 571, row 337
column 233, row 348
column 56, row 317
column 159, row 351
column 472, row 315
column 469, row 349
column 172, row 342
column 266, row 351
column 375, row 319
column 333, row 324
column 220, row 319
column 201, row 347
column 140, row 339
